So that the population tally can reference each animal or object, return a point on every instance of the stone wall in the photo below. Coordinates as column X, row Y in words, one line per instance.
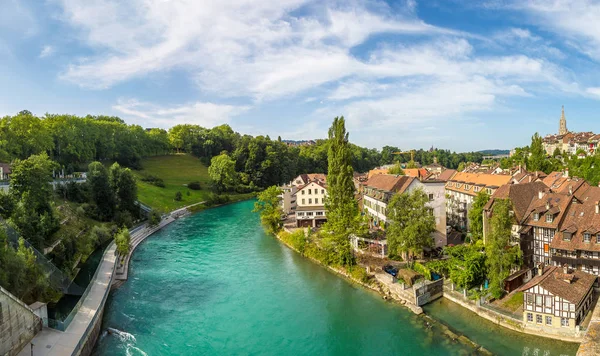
column 18, row 324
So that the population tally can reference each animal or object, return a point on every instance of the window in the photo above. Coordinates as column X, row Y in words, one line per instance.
column 303, row 192
column 538, row 300
column 567, row 236
column 598, row 239
column 322, row 191
column 467, row 187
column 549, row 218
column 529, row 298
column 546, row 248
column 300, row 213
column 303, row 202
column 309, row 201
column 310, row 213
column 316, row 200
column 536, row 217
column 476, row 189
column 430, row 197
column 310, row 191
column 548, row 320
column 529, row 317
column 587, row 237
column 488, row 190
column 548, row 301
column 319, row 213
column 538, row 318
column 564, row 322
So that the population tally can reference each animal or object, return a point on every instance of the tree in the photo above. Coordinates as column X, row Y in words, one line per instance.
column 537, row 158
column 556, row 152
column 123, row 240
column 342, row 209
column 124, row 187
column 269, row 207
column 101, row 192
column 154, row 218
column 178, row 196
column 411, row 164
column 467, row 267
column 461, row 167
column 502, row 257
column 476, row 215
column 396, row 169
column 222, row 172
column 411, row 223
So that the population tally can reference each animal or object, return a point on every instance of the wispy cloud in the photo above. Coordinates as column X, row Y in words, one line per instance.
column 205, row 114
column 47, row 51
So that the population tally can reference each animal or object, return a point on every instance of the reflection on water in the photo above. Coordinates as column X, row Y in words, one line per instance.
column 496, row 339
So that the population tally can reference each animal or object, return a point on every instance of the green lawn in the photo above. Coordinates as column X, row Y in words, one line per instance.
column 176, row 171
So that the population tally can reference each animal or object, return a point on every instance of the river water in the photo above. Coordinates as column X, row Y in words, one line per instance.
column 215, row 284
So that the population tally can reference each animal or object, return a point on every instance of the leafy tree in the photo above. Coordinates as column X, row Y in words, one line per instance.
column 124, row 186
column 537, row 159
column 222, row 172
column 100, row 190
column 396, row 169
column 154, row 218
column 342, row 209
column 269, row 207
column 178, row 196
column 501, row 256
column 476, row 215
column 461, row 167
column 411, row 164
column 467, row 265
column 411, row 223
column 123, row 240
column 556, row 152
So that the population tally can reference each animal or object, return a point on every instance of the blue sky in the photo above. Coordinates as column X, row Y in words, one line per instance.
column 462, row 75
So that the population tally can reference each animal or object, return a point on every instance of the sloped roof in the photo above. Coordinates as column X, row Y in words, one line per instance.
column 556, row 202
column 6, row 168
column 376, row 171
column 389, row 183
column 580, row 218
column 520, row 195
column 552, row 280
column 446, row 175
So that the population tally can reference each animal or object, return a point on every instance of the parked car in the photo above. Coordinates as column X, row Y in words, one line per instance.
column 391, row 270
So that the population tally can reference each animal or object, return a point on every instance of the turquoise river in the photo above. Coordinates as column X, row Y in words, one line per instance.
column 215, row 284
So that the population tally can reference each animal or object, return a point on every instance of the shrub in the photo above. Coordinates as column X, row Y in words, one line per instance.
column 122, row 239
column 154, row 180
column 154, row 218
column 216, row 199
column 358, row 273
column 194, row 185
column 178, row 196
column 423, row 270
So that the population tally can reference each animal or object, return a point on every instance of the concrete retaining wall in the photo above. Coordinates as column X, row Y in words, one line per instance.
column 18, row 324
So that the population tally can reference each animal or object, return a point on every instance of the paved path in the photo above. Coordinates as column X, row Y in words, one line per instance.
column 50, row 342
column 591, row 342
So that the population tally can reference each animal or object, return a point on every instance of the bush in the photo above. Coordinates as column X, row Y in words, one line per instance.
column 194, row 185
column 154, row 218
column 422, row 270
column 178, row 196
column 123, row 218
column 122, row 239
column 216, row 199
column 358, row 273
column 154, row 180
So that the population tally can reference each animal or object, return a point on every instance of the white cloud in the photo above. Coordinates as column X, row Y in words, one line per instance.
column 594, row 91
column 205, row 114
column 47, row 51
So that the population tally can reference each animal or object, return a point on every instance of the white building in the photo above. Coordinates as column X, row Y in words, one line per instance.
column 310, row 204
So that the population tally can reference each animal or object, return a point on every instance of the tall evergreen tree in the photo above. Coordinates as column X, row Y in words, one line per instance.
column 342, row 209
column 476, row 215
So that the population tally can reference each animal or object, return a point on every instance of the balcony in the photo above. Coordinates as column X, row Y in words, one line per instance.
column 562, row 260
column 589, row 261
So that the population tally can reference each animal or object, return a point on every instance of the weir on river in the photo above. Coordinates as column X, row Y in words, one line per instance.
column 214, row 283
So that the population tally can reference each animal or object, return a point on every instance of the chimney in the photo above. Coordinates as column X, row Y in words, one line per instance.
column 566, row 173
column 570, row 190
column 566, row 268
column 540, row 269
column 540, row 194
column 547, row 205
column 597, row 208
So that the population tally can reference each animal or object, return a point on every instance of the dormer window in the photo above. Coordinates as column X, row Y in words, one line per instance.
column 467, row 187
column 549, row 218
column 567, row 236
column 476, row 189
column 587, row 237
column 489, row 191
column 536, row 217
column 598, row 239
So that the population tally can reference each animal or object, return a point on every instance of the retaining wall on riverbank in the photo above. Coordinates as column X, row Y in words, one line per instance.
column 18, row 324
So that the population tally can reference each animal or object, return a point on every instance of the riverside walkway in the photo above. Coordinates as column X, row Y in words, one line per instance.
column 51, row 342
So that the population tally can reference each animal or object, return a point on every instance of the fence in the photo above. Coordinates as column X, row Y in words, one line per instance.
column 64, row 324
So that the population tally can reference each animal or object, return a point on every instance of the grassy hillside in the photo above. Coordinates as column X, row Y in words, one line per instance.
column 176, row 171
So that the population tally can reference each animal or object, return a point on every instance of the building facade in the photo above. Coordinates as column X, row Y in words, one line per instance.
column 310, row 204
column 557, row 298
column 288, row 198
column 461, row 191
column 570, row 142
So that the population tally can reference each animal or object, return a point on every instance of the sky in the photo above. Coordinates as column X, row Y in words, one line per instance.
column 454, row 74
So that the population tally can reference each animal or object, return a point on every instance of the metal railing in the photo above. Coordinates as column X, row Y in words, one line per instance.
column 62, row 325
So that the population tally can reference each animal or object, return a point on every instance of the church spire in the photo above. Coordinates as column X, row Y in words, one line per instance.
column 562, row 128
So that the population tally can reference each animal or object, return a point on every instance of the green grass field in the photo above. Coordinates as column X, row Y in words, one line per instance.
column 176, row 171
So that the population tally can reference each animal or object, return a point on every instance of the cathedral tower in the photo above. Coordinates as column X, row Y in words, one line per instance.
column 562, row 129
